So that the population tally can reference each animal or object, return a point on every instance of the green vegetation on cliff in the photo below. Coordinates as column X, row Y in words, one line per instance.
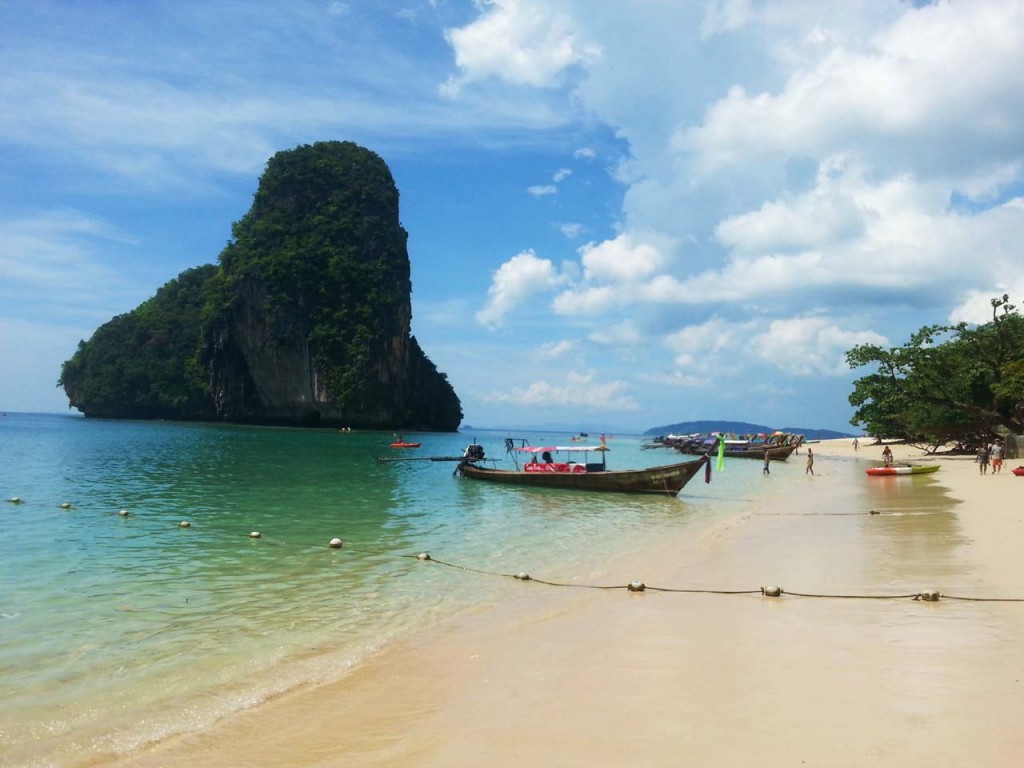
column 143, row 364
column 306, row 320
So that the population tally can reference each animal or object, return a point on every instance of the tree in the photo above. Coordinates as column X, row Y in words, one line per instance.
column 948, row 383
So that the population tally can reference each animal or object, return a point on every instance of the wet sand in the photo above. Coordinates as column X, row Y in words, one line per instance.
column 860, row 675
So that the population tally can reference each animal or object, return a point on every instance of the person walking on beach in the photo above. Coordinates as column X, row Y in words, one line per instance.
column 856, row 444
column 767, row 460
column 887, row 456
column 983, row 460
column 996, row 452
column 810, row 462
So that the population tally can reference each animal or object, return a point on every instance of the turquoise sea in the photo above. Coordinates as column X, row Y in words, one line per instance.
column 120, row 629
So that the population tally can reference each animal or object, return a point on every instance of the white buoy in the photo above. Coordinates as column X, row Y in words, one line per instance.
column 184, row 524
column 255, row 535
column 423, row 556
column 16, row 500
column 771, row 591
column 64, row 505
column 124, row 513
column 931, row 595
column 336, row 544
column 636, row 586
column 523, row 576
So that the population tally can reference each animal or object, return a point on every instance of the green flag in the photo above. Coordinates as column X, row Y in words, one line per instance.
column 721, row 453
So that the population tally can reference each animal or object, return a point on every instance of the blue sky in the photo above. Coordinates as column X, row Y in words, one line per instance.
column 621, row 214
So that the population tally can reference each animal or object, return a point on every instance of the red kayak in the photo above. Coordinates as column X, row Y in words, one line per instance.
column 1019, row 471
column 406, row 445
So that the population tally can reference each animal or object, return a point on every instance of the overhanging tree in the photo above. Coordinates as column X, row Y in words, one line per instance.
column 948, row 383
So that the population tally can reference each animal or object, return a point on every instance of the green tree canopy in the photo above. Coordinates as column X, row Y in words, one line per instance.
column 958, row 382
column 144, row 362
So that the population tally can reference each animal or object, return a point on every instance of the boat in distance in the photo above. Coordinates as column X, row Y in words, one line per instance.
column 778, row 444
column 586, row 475
column 903, row 469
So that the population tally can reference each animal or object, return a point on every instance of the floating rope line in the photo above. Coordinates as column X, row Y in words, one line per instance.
column 985, row 599
column 771, row 591
column 339, row 545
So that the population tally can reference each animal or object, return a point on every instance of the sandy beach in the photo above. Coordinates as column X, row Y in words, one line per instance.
column 859, row 674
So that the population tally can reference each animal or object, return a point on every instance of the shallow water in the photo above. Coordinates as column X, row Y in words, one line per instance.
column 119, row 630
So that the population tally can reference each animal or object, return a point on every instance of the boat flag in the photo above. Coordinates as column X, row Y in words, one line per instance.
column 721, row 452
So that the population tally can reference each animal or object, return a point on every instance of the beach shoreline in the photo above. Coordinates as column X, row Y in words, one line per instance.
column 661, row 678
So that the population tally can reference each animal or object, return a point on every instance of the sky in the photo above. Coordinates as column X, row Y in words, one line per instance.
column 621, row 213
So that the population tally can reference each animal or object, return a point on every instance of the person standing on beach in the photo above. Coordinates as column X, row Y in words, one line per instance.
column 767, row 460
column 810, row 462
column 856, row 443
column 983, row 460
column 887, row 456
column 996, row 451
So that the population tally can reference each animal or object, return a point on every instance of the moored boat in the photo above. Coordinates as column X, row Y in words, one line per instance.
column 902, row 469
column 779, row 445
column 590, row 474
column 403, row 444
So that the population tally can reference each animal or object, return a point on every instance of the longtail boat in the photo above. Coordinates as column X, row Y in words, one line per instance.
column 779, row 446
column 589, row 474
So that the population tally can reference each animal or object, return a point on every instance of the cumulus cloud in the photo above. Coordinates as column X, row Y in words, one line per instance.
column 806, row 346
column 614, row 272
column 516, row 281
column 798, row 346
column 518, row 42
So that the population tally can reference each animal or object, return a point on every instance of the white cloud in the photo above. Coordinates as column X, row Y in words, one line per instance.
column 542, row 191
column 51, row 263
column 710, row 346
column 518, row 42
column 554, row 350
column 572, row 229
column 583, row 390
column 584, row 153
column 623, row 335
column 976, row 306
column 561, row 175
column 614, row 274
column 798, row 346
column 806, row 346
column 516, row 281
column 890, row 96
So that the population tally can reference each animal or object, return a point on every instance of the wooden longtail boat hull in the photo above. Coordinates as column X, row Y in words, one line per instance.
column 777, row 454
column 665, row 480
column 896, row 471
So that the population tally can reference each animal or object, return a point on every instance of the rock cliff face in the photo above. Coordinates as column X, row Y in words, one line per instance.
column 307, row 319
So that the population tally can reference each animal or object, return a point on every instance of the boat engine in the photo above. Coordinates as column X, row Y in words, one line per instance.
column 474, row 452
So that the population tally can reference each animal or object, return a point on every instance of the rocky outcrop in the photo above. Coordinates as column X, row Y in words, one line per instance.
column 307, row 319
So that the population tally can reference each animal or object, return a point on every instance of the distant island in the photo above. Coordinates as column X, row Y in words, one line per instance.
column 742, row 428
column 304, row 321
